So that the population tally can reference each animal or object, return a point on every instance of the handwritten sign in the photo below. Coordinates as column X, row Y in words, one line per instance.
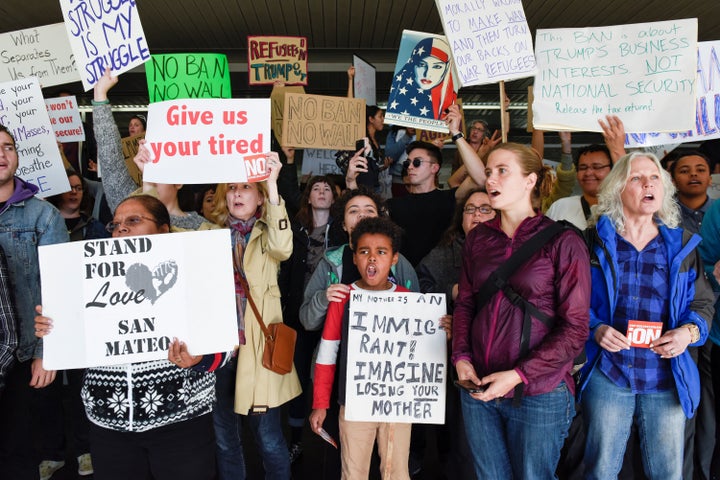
column 423, row 86
column 275, row 58
column 23, row 112
column 396, row 366
column 490, row 40
column 65, row 119
column 208, row 140
column 364, row 81
column 187, row 75
column 318, row 121
column 130, row 147
column 644, row 73
column 319, row 162
column 122, row 300
column 277, row 106
column 42, row 52
column 707, row 105
column 104, row 35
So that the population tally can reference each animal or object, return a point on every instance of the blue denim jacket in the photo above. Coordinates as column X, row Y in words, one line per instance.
column 27, row 222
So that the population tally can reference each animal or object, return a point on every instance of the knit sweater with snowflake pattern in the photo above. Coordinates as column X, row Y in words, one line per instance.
column 137, row 397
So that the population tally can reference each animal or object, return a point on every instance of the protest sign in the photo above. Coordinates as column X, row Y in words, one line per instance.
column 319, row 162
column 104, row 35
column 423, row 86
column 707, row 105
column 490, row 40
column 42, row 52
column 644, row 73
column 428, row 136
column 122, row 300
column 277, row 106
column 173, row 76
column 23, row 112
column 319, row 121
column 396, row 360
column 364, row 81
column 276, row 58
column 208, row 140
column 130, row 147
column 65, row 119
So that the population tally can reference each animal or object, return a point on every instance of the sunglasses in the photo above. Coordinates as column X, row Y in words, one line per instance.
column 416, row 162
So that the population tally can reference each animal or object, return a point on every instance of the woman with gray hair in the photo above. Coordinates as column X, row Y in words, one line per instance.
column 649, row 302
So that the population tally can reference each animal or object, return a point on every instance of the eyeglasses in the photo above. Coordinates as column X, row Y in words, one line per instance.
column 76, row 188
column 131, row 221
column 8, row 148
column 594, row 167
column 416, row 162
column 485, row 209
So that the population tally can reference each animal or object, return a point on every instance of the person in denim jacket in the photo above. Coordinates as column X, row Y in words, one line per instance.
column 26, row 222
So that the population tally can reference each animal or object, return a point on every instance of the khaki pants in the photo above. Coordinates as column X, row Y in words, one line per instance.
column 357, row 439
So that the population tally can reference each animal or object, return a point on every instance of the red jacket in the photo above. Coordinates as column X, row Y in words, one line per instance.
column 556, row 280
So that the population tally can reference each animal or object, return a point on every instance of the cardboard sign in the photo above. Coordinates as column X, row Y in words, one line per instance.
column 188, row 75
column 491, row 41
column 277, row 106
column 642, row 334
column 707, row 104
column 130, row 148
column 65, row 119
column 23, row 112
column 104, row 35
column 423, row 86
column 42, row 52
column 276, row 58
column 364, row 81
column 396, row 365
column 319, row 121
column 122, row 300
column 208, row 140
column 645, row 73
column 319, row 162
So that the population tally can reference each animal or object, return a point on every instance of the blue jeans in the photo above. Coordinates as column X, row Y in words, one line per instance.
column 521, row 442
column 608, row 412
column 266, row 429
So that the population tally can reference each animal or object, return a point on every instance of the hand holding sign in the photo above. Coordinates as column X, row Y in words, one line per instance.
column 610, row 339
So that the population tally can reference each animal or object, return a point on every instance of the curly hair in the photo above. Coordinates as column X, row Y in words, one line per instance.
column 610, row 196
column 379, row 226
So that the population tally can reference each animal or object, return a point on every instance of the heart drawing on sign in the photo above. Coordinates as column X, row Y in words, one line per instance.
column 153, row 283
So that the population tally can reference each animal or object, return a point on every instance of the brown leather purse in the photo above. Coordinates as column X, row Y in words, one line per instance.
column 279, row 339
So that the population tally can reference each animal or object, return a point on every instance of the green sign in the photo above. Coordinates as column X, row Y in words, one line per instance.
column 187, row 75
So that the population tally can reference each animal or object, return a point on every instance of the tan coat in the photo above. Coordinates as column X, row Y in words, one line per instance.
column 270, row 243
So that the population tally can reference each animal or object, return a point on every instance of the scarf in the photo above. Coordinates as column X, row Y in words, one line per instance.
column 240, row 234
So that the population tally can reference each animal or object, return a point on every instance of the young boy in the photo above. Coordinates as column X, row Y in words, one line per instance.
column 376, row 244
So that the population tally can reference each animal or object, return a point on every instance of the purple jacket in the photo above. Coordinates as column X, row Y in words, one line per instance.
column 556, row 280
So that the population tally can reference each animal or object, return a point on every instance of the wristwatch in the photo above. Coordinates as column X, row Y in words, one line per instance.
column 455, row 137
column 694, row 332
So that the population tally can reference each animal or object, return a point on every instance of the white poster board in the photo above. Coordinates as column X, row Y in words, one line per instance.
column 212, row 140
column 42, row 52
column 644, row 73
column 104, row 35
column 65, row 119
column 396, row 363
column 707, row 106
column 491, row 41
column 364, row 81
column 317, row 161
column 23, row 112
column 122, row 300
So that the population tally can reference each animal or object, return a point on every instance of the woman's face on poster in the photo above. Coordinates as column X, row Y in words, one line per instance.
column 429, row 72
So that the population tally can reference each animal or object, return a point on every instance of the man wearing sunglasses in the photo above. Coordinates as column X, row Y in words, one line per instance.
column 592, row 164
column 26, row 222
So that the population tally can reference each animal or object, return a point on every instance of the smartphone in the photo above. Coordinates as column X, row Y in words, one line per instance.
column 470, row 386
column 360, row 144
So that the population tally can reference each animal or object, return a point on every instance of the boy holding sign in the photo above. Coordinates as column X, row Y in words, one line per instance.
column 376, row 243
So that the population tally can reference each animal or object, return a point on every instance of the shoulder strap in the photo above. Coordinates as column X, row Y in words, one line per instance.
column 586, row 207
column 237, row 260
column 498, row 279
